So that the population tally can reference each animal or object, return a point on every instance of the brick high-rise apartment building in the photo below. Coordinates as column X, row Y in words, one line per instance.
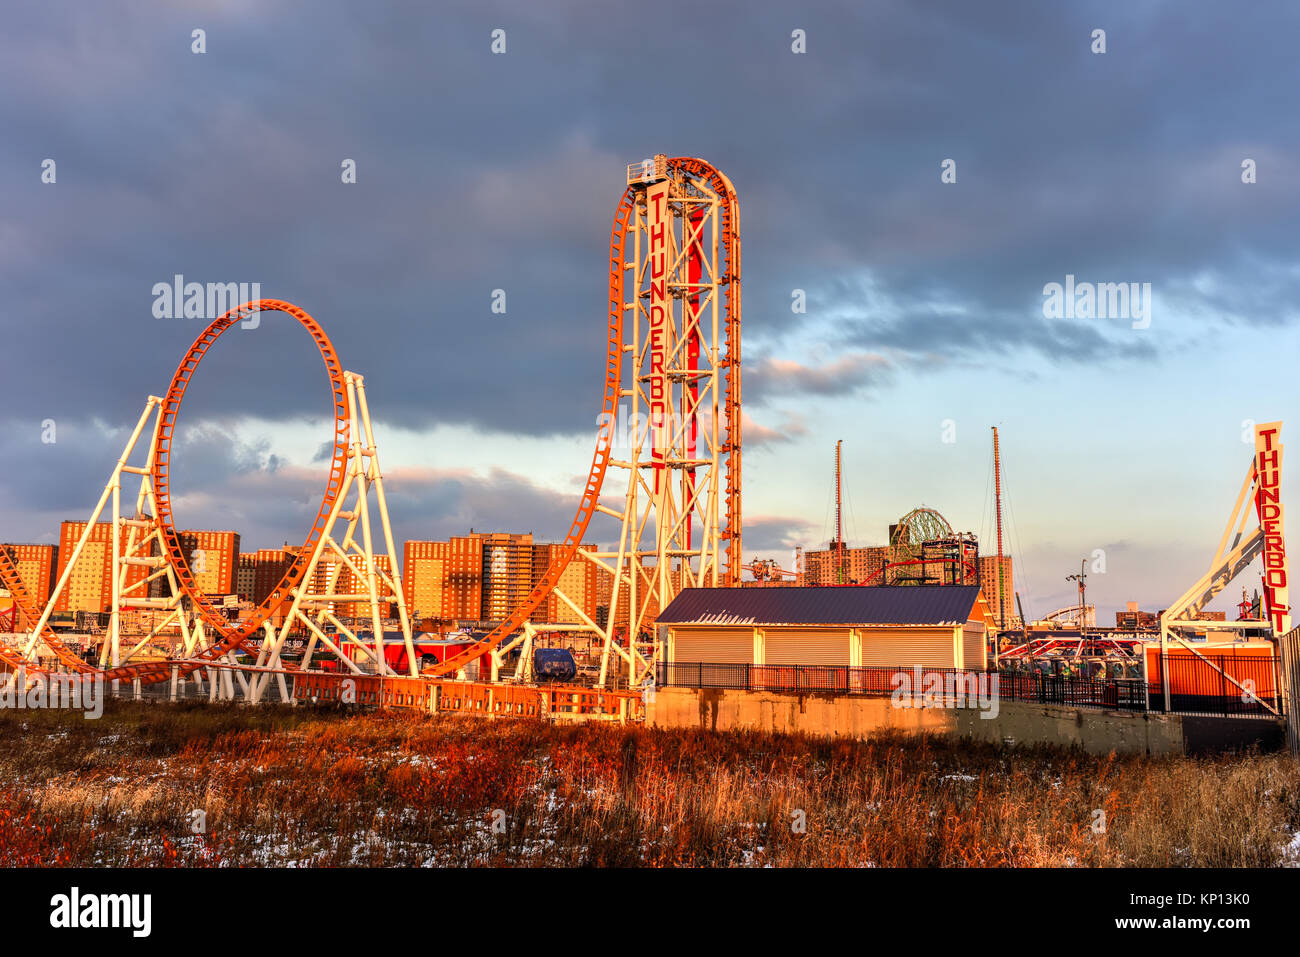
column 444, row 579
column 213, row 558
column 579, row 581
column 860, row 565
column 245, row 575
column 259, row 572
column 350, row 584
column 507, row 573
column 37, row 566
column 484, row 576
column 988, row 569
column 90, row 588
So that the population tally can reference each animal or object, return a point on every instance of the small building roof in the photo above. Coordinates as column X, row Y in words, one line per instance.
column 827, row 605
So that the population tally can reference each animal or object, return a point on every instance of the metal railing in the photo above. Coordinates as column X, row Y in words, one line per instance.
column 1215, row 684
column 1197, row 686
column 1113, row 694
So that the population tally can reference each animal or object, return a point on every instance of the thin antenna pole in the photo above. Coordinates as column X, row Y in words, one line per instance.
column 839, row 518
column 997, row 496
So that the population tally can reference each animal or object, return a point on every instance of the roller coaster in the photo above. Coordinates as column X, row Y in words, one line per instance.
column 669, row 423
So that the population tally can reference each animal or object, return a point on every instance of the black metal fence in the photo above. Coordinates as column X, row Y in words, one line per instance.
column 1197, row 686
column 1217, row 684
column 1076, row 691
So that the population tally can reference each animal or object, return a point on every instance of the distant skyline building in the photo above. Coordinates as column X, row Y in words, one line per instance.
column 507, row 572
column 246, row 575
column 444, row 580
column 988, row 576
column 90, row 586
column 350, row 584
column 484, row 576
column 37, row 566
column 580, row 581
column 213, row 557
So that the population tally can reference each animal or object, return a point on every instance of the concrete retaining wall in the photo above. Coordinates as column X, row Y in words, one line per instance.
column 1099, row 732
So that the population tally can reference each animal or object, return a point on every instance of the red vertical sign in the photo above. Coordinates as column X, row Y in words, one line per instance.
column 658, row 219
column 1268, row 505
column 691, row 395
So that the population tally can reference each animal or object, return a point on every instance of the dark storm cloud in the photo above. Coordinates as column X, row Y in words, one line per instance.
column 58, row 479
column 61, row 478
column 479, row 172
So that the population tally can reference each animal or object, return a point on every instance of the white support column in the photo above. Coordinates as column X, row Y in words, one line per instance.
column 524, row 669
column 150, row 410
column 389, row 543
column 357, row 556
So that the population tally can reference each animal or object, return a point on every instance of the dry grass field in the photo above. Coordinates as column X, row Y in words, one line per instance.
column 301, row 787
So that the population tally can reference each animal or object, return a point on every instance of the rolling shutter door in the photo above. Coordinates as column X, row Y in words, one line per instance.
column 821, row 654
column 930, row 647
column 720, row 645
column 807, row 646
column 974, row 651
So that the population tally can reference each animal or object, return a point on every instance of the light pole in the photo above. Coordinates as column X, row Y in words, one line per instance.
column 1082, row 579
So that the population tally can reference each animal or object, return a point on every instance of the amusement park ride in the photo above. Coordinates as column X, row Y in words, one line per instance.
column 1238, row 547
column 767, row 570
column 666, row 468
column 672, row 372
column 1185, row 631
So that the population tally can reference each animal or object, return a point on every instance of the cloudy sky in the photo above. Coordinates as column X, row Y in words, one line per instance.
column 477, row 171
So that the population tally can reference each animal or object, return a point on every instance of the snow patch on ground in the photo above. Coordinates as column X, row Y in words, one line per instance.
column 1291, row 854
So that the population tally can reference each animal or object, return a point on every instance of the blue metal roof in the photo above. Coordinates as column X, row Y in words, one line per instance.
column 837, row 605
